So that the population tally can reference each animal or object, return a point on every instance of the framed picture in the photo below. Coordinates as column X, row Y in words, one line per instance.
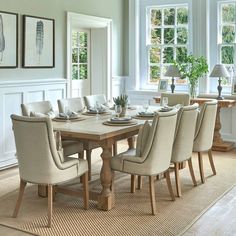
column 234, row 89
column 162, row 86
column 8, row 40
column 38, row 42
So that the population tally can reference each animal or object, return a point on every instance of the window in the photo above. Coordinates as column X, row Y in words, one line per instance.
column 167, row 38
column 79, row 55
column 226, row 36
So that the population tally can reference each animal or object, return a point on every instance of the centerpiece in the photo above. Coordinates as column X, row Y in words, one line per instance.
column 122, row 101
column 192, row 68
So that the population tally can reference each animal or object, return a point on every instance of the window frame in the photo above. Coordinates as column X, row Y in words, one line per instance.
column 145, row 29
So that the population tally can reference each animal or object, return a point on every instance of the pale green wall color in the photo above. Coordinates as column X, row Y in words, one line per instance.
column 57, row 9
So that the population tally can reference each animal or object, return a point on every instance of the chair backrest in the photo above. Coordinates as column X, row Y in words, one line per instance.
column 73, row 104
column 90, row 101
column 205, row 127
column 176, row 98
column 184, row 134
column 43, row 107
column 157, row 152
column 36, row 149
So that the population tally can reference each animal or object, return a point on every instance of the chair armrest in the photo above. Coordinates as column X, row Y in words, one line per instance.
column 69, row 162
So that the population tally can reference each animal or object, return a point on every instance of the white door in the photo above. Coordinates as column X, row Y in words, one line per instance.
column 80, row 63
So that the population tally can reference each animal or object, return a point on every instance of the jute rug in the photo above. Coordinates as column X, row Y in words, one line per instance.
column 132, row 212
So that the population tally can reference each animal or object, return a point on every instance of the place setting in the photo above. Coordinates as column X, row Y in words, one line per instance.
column 68, row 116
column 145, row 114
column 98, row 109
column 119, row 120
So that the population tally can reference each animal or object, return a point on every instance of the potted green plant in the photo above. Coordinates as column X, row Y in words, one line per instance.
column 122, row 100
column 192, row 68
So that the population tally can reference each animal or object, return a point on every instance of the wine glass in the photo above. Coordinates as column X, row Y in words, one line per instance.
column 165, row 101
column 67, row 114
column 145, row 106
column 97, row 108
column 118, row 110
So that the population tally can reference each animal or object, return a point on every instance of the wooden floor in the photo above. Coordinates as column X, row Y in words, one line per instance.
column 220, row 219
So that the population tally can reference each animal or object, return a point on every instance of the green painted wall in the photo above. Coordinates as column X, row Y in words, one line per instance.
column 57, row 9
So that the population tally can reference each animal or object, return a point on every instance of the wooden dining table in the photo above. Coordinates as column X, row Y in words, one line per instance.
column 93, row 129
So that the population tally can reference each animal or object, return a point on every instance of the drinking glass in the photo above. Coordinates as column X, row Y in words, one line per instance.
column 118, row 110
column 97, row 108
column 165, row 101
column 145, row 106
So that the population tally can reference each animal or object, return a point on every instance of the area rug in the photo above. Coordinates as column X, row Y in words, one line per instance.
column 132, row 213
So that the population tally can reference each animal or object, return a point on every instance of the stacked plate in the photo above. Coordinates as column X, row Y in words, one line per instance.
column 146, row 114
column 116, row 121
column 165, row 109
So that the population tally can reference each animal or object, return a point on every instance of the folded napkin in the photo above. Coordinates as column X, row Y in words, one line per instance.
column 142, row 113
column 67, row 115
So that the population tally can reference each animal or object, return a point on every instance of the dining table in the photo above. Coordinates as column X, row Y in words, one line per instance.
column 98, row 129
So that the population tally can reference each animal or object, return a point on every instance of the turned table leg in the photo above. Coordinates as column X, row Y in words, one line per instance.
column 106, row 199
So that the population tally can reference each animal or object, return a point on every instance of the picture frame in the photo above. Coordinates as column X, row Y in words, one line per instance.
column 38, row 42
column 8, row 39
column 233, row 89
column 163, row 84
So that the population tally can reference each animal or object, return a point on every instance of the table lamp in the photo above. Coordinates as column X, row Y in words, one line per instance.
column 172, row 71
column 219, row 70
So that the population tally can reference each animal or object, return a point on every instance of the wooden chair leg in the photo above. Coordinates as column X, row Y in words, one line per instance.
column 190, row 165
column 81, row 155
column 50, row 198
column 211, row 161
column 19, row 199
column 152, row 194
column 115, row 149
column 177, row 180
column 133, row 185
column 88, row 157
column 167, row 176
column 140, row 182
column 85, row 190
column 200, row 163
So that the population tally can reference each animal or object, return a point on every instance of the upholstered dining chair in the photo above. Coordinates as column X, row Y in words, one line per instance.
column 90, row 100
column 44, row 108
column 153, row 155
column 40, row 162
column 183, row 142
column 76, row 105
column 176, row 98
column 204, row 135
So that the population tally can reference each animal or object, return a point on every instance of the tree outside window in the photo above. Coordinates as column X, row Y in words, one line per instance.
column 226, row 36
column 79, row 55
column 167, row 38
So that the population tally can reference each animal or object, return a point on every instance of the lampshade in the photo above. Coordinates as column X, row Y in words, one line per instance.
column 172, row 71
column 219, row 70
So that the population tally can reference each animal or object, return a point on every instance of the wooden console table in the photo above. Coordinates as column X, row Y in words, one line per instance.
column 218, row 143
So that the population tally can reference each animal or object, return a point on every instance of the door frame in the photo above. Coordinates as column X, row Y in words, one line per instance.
column 90, row 22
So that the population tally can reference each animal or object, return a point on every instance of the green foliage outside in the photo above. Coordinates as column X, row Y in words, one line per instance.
column 79, row 55
column 159, row 59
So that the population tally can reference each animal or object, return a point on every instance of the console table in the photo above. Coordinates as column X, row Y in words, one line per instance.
column 218, row 143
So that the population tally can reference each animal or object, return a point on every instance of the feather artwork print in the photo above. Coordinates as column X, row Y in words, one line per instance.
column 39, row 39
column 2, row 39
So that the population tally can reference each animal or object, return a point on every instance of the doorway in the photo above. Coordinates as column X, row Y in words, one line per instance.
column 88, row 55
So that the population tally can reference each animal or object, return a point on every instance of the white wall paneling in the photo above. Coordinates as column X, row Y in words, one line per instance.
column 12, row 94
column 118, row 85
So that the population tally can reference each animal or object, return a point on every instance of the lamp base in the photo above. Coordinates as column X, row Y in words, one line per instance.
column 220, row 98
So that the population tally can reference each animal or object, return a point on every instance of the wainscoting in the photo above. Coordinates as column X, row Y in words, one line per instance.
column 12, row 94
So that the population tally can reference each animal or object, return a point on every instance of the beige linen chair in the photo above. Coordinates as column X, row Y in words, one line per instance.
column 42, row 108
column 154, row 156
column 204, row 134
column 90, row 100
column 76, row 105
column 176, row 98
column 40, row 163
column 183, row 143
